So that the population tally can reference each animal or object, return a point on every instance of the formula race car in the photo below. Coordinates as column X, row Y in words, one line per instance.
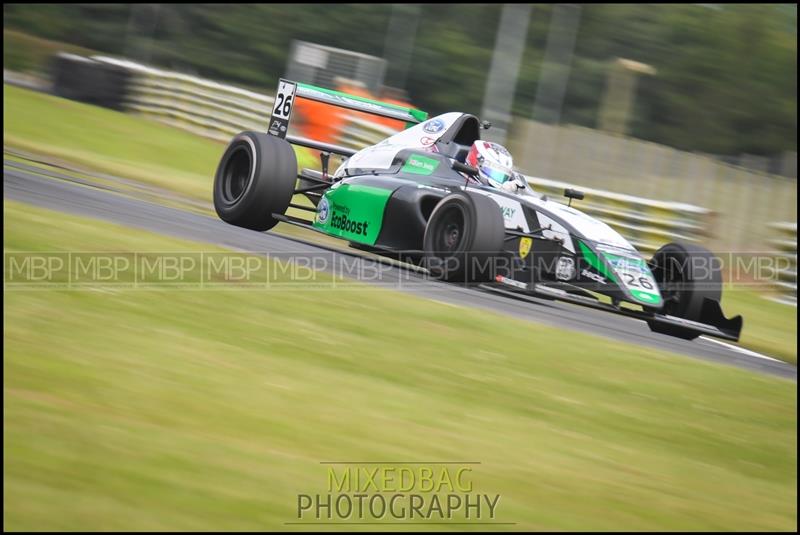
column 413, row 197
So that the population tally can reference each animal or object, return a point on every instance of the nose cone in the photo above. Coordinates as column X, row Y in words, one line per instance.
column 635, row 276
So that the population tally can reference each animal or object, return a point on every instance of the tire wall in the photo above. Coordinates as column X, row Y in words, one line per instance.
column 89, row 81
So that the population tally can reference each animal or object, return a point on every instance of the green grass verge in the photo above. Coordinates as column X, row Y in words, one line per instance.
column 184, row 409
column 133, row 147
column 769, row 327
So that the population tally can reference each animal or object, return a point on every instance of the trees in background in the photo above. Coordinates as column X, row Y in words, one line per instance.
column 726, row 78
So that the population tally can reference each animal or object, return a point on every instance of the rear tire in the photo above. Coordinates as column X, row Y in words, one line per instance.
column 463, row 236
column 255, row 178
column 686, row 275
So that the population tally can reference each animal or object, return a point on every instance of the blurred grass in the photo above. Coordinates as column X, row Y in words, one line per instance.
column 134, row 147
column 769, row 327
column 114, row 142
column 198, row 410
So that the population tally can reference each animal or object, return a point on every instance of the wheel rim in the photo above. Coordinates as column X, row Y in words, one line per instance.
column 450, row 233
column 237, row 175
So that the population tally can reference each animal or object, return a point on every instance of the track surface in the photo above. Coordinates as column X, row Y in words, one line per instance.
column 55, row 190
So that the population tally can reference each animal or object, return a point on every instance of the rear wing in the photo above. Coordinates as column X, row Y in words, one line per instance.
column 288, row 91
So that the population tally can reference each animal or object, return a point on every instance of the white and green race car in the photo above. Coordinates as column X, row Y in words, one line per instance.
column 412, row 196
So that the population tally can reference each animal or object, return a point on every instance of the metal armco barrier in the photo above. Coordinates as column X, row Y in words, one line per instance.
column 785, row 244
column 215, row 110
column 219, row 111
column 647, row 223
column 194, row 104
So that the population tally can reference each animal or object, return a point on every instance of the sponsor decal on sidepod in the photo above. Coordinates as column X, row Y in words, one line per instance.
column 323, row 211
column 342, row 222
column 594, row 276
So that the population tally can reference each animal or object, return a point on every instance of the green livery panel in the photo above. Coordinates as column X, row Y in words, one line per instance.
column 353, row 212
column 595, row 262
column 636, row 277
column 416, row 164
column 628, row 271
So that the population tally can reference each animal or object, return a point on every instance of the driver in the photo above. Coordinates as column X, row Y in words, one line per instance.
column 495, row 166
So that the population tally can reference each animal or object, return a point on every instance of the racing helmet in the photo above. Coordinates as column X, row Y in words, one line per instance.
column 493, row 162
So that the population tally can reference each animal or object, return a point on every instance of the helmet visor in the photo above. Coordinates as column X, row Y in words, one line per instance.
column 500, row 176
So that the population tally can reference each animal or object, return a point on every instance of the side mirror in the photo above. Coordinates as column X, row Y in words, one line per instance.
column 570, row 194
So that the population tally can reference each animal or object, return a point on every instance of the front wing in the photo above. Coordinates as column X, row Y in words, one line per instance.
column 714, row 321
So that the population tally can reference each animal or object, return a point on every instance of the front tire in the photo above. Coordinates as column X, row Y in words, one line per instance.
column 255, row 178
column 463, row 236
column 686, row 274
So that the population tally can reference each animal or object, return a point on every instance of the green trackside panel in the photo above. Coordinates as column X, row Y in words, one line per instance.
column 417, row 164
column 353, row 212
